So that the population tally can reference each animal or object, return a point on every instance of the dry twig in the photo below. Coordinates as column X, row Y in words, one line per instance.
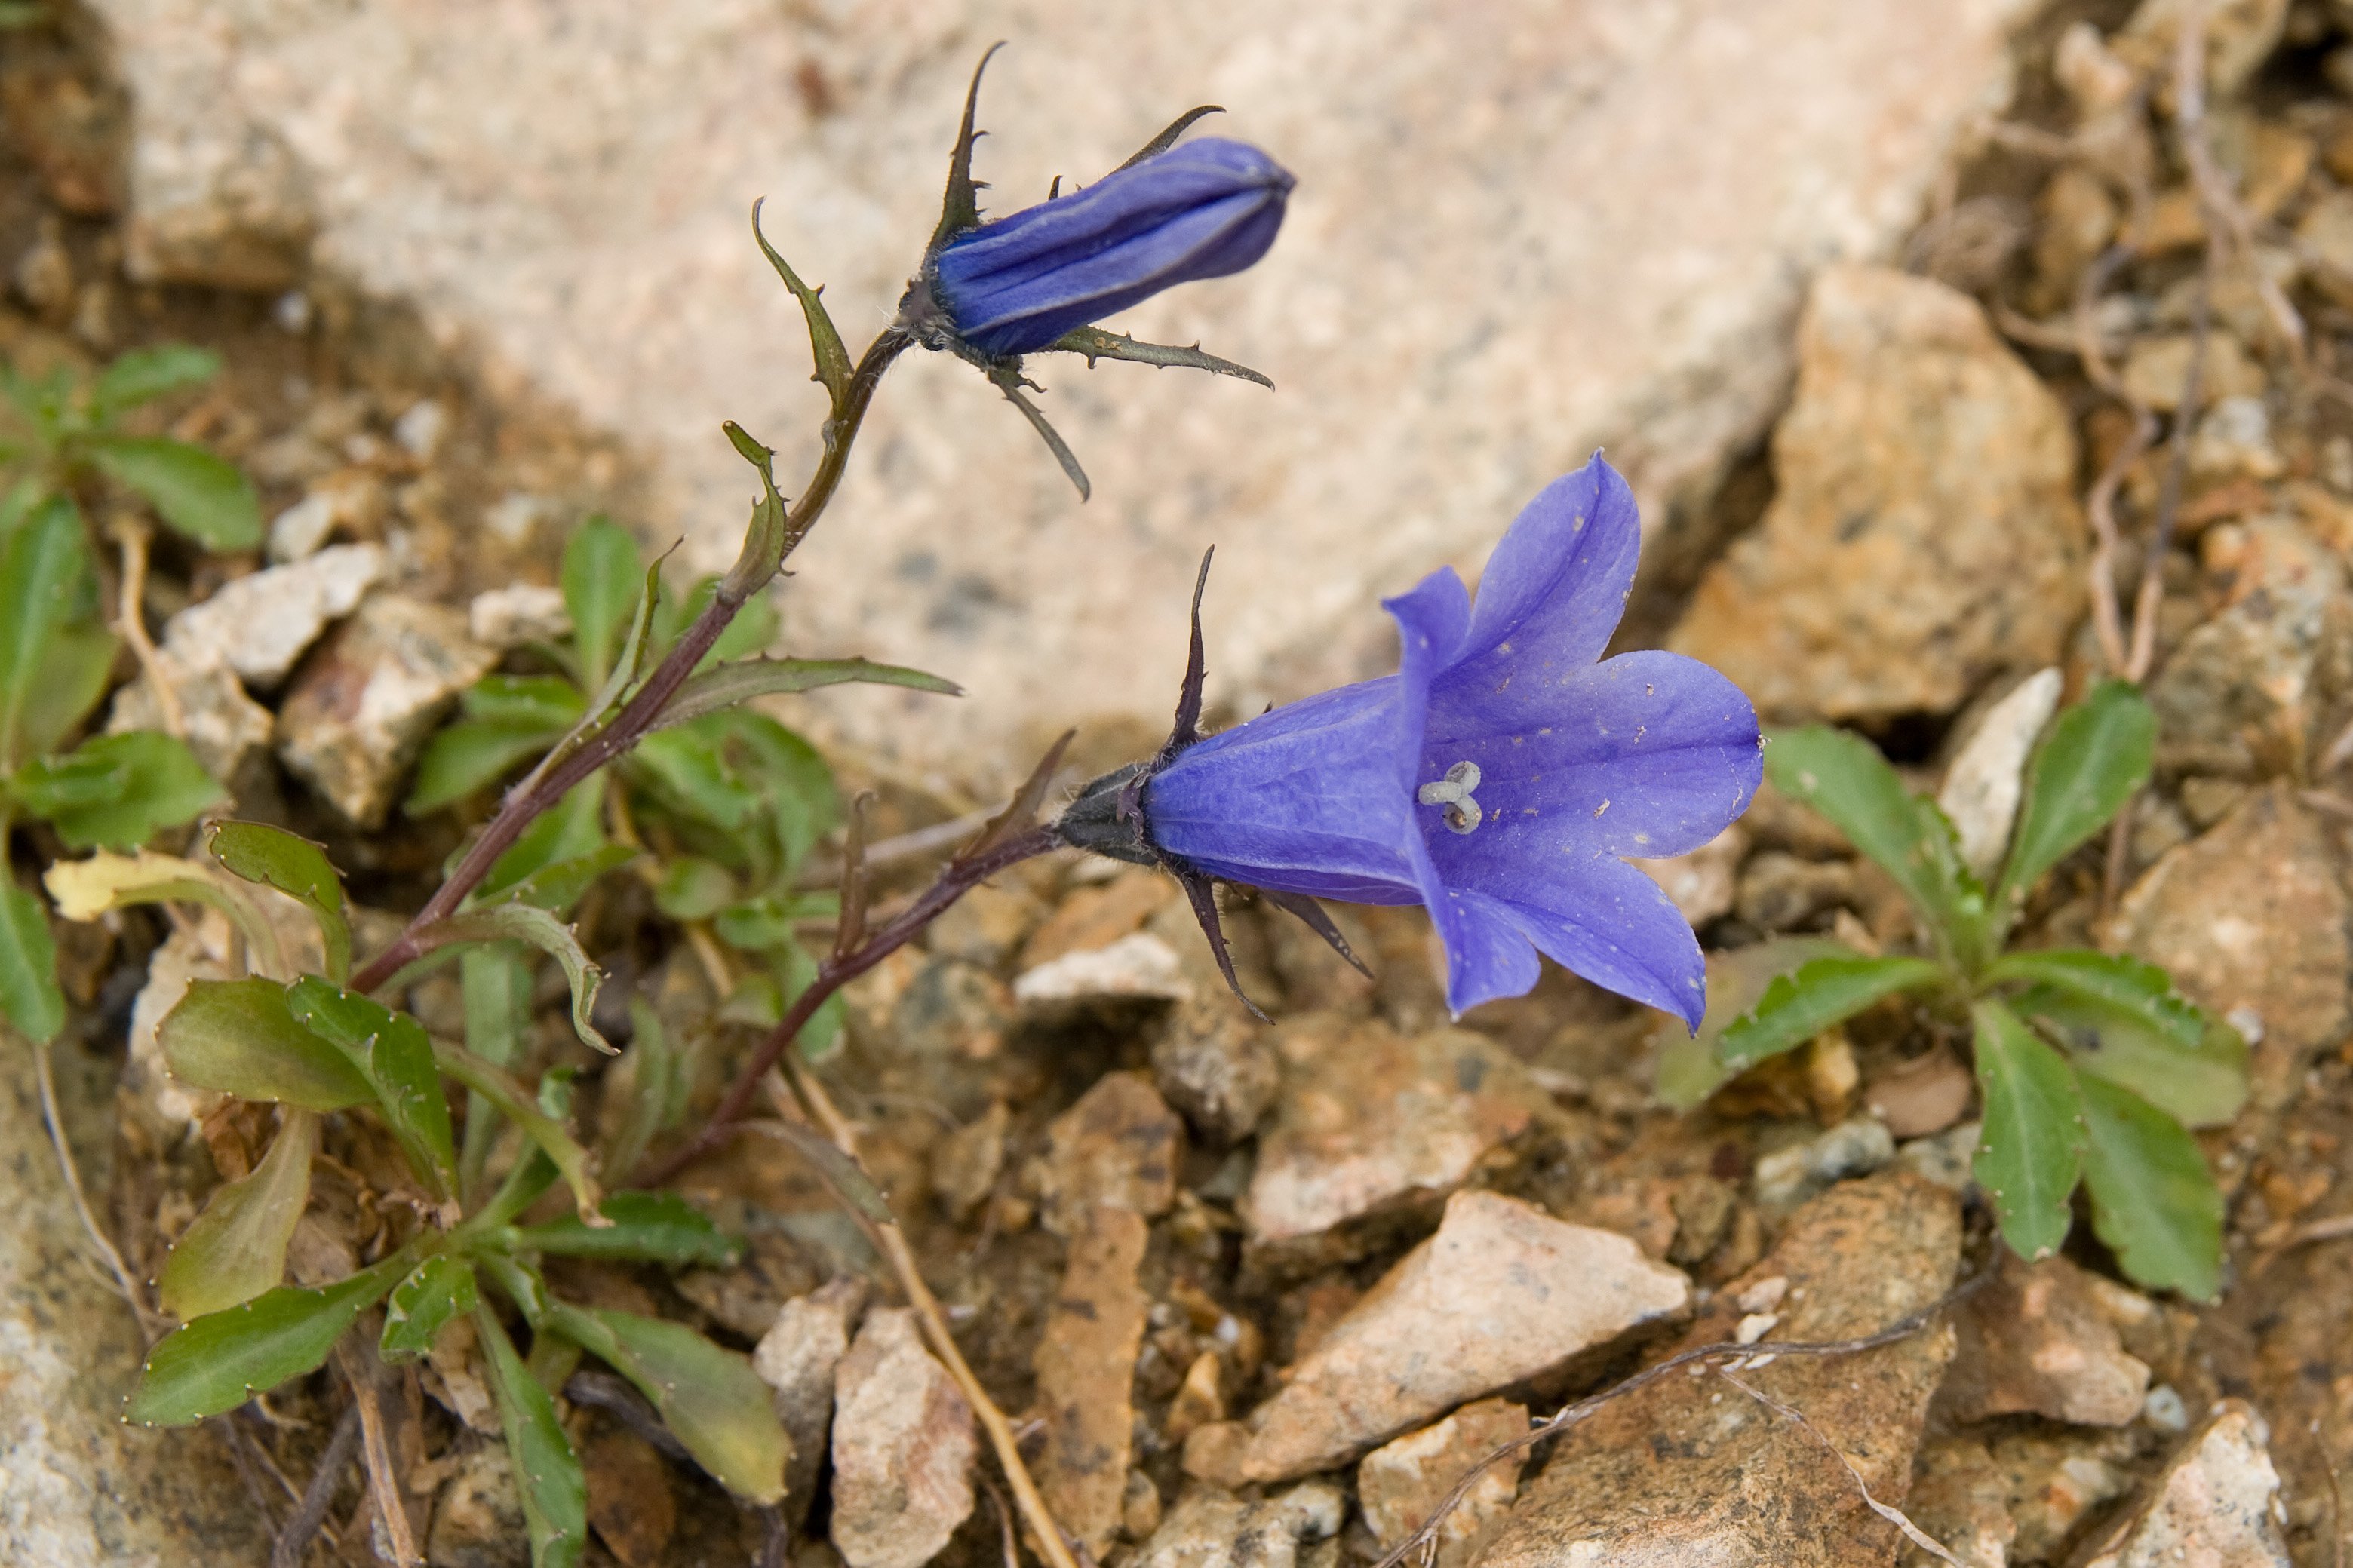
column 319, row 1495
column 130, row 622
column 1888, row 1511
column 44, row 1075
column 376, row 1445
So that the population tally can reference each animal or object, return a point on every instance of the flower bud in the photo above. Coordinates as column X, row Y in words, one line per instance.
column 1201, row 209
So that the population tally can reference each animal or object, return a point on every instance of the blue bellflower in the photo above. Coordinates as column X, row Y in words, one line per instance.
column 1501, row 778
column 1017, row 284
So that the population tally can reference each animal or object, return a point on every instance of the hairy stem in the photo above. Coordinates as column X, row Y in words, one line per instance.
column 638, row 716
column 959, row 876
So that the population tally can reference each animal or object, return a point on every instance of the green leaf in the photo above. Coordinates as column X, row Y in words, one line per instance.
column 548, row 1474
column 75, row 672
column 750, row 632
column 2122, row 1020
column 652, row 1082
column 686, row 771
column 1796, row 1007
column 693, row 888
column 832, row 359
column 48, row 785
column 601, row 582
column 297, row 868
column 539, row 1125
column 203, row 496
column 765, row 924
column 1843, row 776
column 2030, row 1149
column 651, row 1228
column 549, row 701
column 494, row 984
column 727, row 685
column 163, row 785
column 1689, row 1069
column 44, row 585
column 557, row 887
column 392, row 1051
column 2114, row 980
column 421, row 1305
column 2153, row 1201
column 710, row 1398
column 2092, row 759
column 472, row 754
column 239, row 1038
column 796, row 971
column 142, row 376
column 236, row 1249
column 218, row 1361
column 533, row 925
column 570, row 828
column 29, row 965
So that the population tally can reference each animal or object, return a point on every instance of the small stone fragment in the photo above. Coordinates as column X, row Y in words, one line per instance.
column 1508, row 1292
column 1372, row 1126
column 1399, row 1484
column 797, row 1358
column 477, row 1516
column 1139, row 1508
column 965, row 1164
column 2038, row 1340
column 1702, row 882
column 2155, row 370
column 1982, row 787
column 353, row 500
column 2214, row 1506
column 1925, row 531
column 1943, row 1157
column 631, row 1504
column 507, row 618
column 1215, row 1064
column 1118, row 1145
column 1199, row 1400
column 260, row 624
column 1085, row 1363
column 1778, row 891
column 1960, row 1498
column 364, row 706
column 221, row 724
column 988, row 925
column 1093, row 918
column 1691, row 1470
column 1855, row 1147
column 1211, row 1527
column 1925, row 1094
column 1140, row 967
column 902, row 1447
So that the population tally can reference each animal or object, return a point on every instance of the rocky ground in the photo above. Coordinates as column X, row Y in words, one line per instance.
column 1261, row 1294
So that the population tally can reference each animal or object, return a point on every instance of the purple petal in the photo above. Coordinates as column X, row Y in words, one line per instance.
column 1619, row 931
column 1556, row 586
column 1487, row 953
column 1646, row 754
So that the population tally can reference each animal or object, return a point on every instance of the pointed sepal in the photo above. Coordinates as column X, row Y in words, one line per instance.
column 1319, row 922
column 1096, row 343
column 1168, row 137
column 833, row 369
column 1009, row 381
column 1203, row 899
column 960, row 206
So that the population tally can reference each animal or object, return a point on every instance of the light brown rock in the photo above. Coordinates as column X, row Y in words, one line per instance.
column 797, row 1357
column 2215, row 1505
column 2037, row 1341
column 1691, row 1472
column 567, row 186
column 258, row 624
column 221, row 724
column 966, row 1164
column 2251, row 916
column 1096, row 917
column 1211, row 1527
column 1701, row 883
column 362, row 709
column 1217, row 1065
column 1138, row 968
column 1502, row 1294
column 521, row 612
column 1118, row 1146
column 1085, row 1363
column 1926, row 532
column 1399, row 1484
column 902, row 1447
column 1371, row 1125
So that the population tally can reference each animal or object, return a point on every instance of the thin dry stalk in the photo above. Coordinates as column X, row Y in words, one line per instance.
column 319, row 1495
column 44, row 1074
column 1888, row 1511
column 376, row 1445
column 2229, row 224
column 130, row 622
column 892, row 1242
column 1724, row 1352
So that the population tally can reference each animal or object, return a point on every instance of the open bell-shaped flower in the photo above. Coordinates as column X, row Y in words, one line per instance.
column 1501, row 778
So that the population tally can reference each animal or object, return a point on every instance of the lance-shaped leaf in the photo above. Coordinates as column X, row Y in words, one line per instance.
column 44, row 579
column 440, row 1289
column 640, row 1227
column 236, row 1249
column 203, row 496
column 29, row 997
column 494, row 983
column 710, row 1398
column 571, row 828
column 2030, row 1146
column 2153, row 1201
column 725, row 685
column 162, row 786
column 516, row 921
column 833, row 369
column 1096, row 343
column 1796, row 1007
column 1843, row 776
column 1009, row 382
column 602, row 580
column 543, row 1129
column 86, row 889
column 2092, row 761
column 239, row 1038
column 297, row 868
column 142, row 376
column 847, row 1179
column 559, row 885
column 2122, row 1020
column 767, row 535
column 219, row 1361
column 48, row 785
column 651, row 1083
column 392, row 1051
column 1689, row 1069
column 554, row 1488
